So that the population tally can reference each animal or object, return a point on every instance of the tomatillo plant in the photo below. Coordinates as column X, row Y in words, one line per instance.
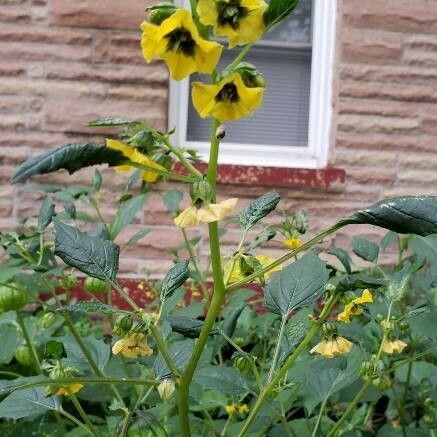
column 228, row 344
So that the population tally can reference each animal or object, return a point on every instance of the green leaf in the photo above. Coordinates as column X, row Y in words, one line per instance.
column 224, row 379
column 46, row 214
column 126, row 213
column 365, row 249
column 389, row 238
column 263, row 237
column 187, row 326
column 174, row 278
column 138, row 236
column 297, row 285
column 97, row 180
column 11, row 339
column 29, row 402
column 180, row 352
column 258, row 209
column 404, row 215
column 89, row 307
column 278, row 10
column 71, row 157
column 111, row 121
column 145, row 424
column 54, row 350
column 231, row 320
column 172, row 199
column 343, row 256
column 95, row 257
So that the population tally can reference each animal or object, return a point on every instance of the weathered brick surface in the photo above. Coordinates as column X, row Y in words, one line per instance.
column 65, row 62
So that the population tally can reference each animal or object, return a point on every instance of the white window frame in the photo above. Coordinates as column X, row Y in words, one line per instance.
column 315, row 155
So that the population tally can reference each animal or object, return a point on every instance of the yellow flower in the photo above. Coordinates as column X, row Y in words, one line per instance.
column 212, row 212
column 66, row 390
column 237, row 274
column 135, row 156
column 133, row 346
column 177, row 41
column 293, row 243
column 332, row 347
column 236, row 408
column 394, row 346
column 354, row 308
column 240, row 20
column 242, row 409
column 228, row 100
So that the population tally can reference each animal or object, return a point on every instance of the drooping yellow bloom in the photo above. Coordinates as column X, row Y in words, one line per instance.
column 66, row 390
column 293, row 243
column 166, row 389
column 133, row 346
column 394, row 346
column 354, row 307
column 231, row 409
column 135, row 156
column 237, row 274
column 240, row 20
column 242, row 409
column 228, row 100
column 177, row 41
column 329, row 348
column 212, row 212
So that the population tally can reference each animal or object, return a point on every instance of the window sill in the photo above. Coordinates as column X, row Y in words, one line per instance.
column 325, row 179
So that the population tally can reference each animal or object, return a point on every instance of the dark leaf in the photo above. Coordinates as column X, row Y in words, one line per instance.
column 71, row 157
column 186, row 326
column 97, row 180
column 297, row 285
column 231, row 321
column 365, row 249
column 111, row 121
column 138, row 236
column 46, row 214
column 126, row 213
column 343, row 256
column 180, row 352
column 172, row 199
column 258, row 209
column 89, row 307
column 278, row 10
column 95, row 257
column 70, row 209
column 224, row 379
column 174, row 278
column 405, row 215
column 54, row 350
column 265, row 235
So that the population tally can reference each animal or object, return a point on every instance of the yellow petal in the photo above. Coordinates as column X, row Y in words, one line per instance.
column 344, row 345
column 69, row 389
column 236, row 274
column 187, row 218
column 216, row 211
column 292, row 243
column 207, row 11
column 203, row 96
column 366, row 297
column 395, row 346
column 126, row 150
column 267, row 260
column 149, row 41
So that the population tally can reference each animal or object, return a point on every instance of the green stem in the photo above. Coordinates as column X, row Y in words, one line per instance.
column 29, row 342
column 319, row 417
column 165, row 173
column 277, row 349
column 160, row 343
column 75, row 421
column 244, row 51
column 87, row 354
column 286, row 257
column 351, row 407
column 83, row 415
column 180, row 155
column 290, row 361
column 217, row 297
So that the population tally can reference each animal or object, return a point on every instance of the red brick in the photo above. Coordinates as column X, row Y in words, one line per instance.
column 365, row 47
column 360, row 123
column 101, row 43
column 398, row 15
column 15, row 14
column 12, row 104
column 101, row 14
column 374, row 107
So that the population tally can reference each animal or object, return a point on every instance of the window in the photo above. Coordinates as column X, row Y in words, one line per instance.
column 292, row 127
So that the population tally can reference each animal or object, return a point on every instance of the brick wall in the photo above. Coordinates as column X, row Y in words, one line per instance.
column 64, row 62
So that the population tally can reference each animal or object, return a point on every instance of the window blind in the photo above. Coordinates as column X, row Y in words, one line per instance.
column 284, row 115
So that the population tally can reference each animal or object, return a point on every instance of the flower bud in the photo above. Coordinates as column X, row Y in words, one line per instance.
column 201, row 191
column 330, row 288
column 329, row 329
column 220, row 132
column 159, row 13
column 252, row 78
column 242, row 363
column 23, row 355
column 166, row 389
column 122, row 325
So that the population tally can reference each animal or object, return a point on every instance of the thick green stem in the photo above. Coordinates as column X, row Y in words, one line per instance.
column 290, row 361
column 29, row 343
column 184, row 161
column 217, row 298
column 308, row 245
column 351, row 407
